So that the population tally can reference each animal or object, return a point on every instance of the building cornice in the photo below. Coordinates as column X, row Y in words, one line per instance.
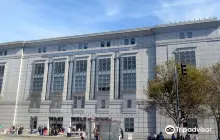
column 186, row 41
column 87, row 51
column 206, row 23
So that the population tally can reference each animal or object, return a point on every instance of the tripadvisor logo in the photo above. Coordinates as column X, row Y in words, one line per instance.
column 170, row 129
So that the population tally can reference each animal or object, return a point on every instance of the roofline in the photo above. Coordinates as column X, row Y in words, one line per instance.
column 90, row 35
column 113, row 32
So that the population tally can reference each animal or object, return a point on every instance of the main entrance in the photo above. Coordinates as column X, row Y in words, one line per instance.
column 56, row 122
column 78, row 123
column 107, row 128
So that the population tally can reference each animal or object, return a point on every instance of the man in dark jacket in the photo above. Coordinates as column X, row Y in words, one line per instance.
column 39, row 129
column 160, row 136
column 122, row 133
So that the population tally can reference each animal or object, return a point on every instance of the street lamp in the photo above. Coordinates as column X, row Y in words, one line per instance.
column 177, row 94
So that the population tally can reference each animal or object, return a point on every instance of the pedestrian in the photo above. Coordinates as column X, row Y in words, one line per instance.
column 181, row 137
column 83, row 135
column 39, row 129
column 173, row 137
column 155, row 136
column 195, row 138
column 187, row 137
column 160, row 136
column 122, row 134
column 68, row 132
column 97, row 135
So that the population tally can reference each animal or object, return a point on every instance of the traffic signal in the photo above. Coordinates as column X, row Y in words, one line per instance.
column 182, row 114
column 185, row 124
column 183, row 69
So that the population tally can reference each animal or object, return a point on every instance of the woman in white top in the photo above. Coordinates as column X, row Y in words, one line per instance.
column 196, row 138
column 83, row 135
column 68, row 132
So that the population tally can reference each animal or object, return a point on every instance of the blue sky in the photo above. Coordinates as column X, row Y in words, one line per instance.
column 36, row 19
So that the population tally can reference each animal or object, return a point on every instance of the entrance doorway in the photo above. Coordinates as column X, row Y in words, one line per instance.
column 33, row 122
column 78, row 123
column 56, row 122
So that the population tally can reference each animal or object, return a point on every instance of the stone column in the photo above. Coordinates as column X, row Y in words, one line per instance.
column 49, row 78
column 93, row 82
column 117, row 72
column 70, row 79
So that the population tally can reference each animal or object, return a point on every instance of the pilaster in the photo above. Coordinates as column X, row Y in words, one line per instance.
column 65, row 84
column 49, row 76
column 44, row 88
column 88, row 78
column 116, row 76
column 93, row 83
column 70, row 78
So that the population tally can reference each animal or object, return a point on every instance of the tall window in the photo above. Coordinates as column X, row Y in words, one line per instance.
column 40, row 50
column 129, row 124
column 104, row 74
column 38, row 77
column 61, row 48
column 129, row 73
column 189, row 34
column 80, row 75
column 132, row 41
column 182, row 35
column 33, row 122
column 80, row 46
column 187, row 57
column 128, row 103
column 108, row 43
column 102, row 103
column 85, row 45
column 102, row 43
column 192, row 123
column 3, row 52
column 79, row 102
column 2, row 68
column 126, row 41
column 58, row 76
column 44, row 49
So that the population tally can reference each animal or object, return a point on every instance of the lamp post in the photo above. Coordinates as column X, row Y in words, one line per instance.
column 177, row 95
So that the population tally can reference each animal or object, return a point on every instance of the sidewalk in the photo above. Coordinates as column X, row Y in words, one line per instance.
column 36, row 136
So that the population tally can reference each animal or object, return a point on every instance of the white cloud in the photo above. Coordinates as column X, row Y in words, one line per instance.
column 112, row 7
column 187, row 10
column 165, row 4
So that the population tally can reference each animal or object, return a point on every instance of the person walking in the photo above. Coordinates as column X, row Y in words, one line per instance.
column 181, row 137
column 195, row 138
column 160, row 136
column 173, row 137
column 83, row 135
column 68, row 132
column 122, row 134
column 97, row 135
column 187, row 137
